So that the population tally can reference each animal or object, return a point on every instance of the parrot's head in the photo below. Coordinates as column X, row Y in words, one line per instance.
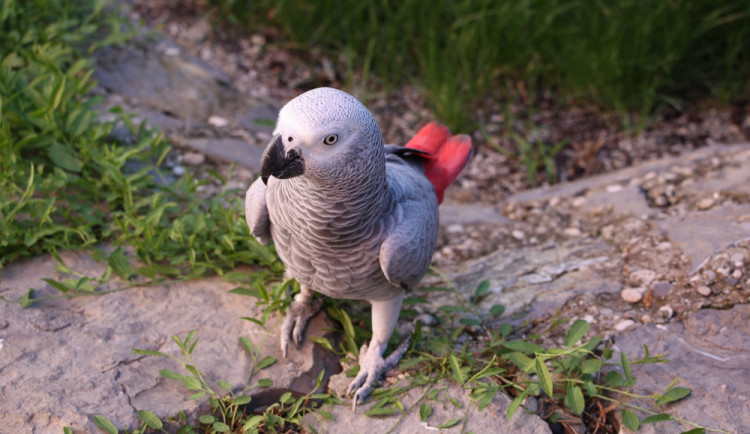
column 328, row 137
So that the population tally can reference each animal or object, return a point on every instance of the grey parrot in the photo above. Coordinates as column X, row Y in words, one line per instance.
column 351, row 218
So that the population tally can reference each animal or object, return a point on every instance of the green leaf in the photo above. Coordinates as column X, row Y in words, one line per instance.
column 470, row 321
column 453, row 309
column 523, row 346
column 521, row 361
column 626, row 369
column 381, row 411
column 252, row 422
column 104, row 423
column 57, row 285
column 695, row 431
column 630, row 419
column 574, row 399
column 656, row 418
column 425, row 410
column 516, row 403
column 191, row 383
column 247, row 344
column 545, row 380
column 207, row 419
column 323, row 342
column 242, row 400
column 482, row 288
column 197, row 395
column 57, row 94
column 672, row 395
column 497, row 309
column 224, row 385
column 172, row 375
column 120, row 264
column 67, row 429
column 456, row 368
column 150, row 419
column 221, row 427
column 265, row 382
column 266, row 362
column 64, row 157
column 576, row 332
column 450, row 423
column 590, row 366
column 150, row 353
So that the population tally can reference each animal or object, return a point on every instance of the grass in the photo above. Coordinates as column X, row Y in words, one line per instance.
column 630, row 56
column 66, row 183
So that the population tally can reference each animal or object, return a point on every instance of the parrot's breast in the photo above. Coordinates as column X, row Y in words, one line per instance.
column 331, row 244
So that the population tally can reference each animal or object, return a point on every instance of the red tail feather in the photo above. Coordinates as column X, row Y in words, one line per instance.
column 448, row 154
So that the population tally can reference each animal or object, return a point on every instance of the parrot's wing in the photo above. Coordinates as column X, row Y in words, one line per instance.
column 256, row 212
column 406, row 252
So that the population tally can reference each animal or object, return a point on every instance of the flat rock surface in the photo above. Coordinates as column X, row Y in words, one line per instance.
column 63, row 361
column 709, row 353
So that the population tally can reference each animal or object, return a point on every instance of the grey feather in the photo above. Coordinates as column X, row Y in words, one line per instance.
column 256, row 212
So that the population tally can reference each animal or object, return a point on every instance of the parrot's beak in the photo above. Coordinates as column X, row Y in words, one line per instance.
column 279, row 162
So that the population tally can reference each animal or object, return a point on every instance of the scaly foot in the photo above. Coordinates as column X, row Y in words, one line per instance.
column 371, row 367
column 299, row 313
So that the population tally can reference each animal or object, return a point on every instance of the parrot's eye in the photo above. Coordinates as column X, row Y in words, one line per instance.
column 331, row 139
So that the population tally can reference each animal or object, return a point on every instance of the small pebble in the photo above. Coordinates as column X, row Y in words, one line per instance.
column 704, row 290
column 705, row 203
column 709, row 276
column 178, row 170
column 642, row 277
column 605, row 311
column 572, row 232
column 519, row 235
column 589, row 319
column 666, row 312
column 577, row 202
column 614, row 188
column 193, row 158
column 645, row 319
column 624, row 324
column 631, row 295
column 218, row 121
column 455, row 228
column 737, row 274
column 531, row 404
column 662, row 289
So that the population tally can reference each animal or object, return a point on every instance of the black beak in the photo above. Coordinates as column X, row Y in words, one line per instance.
column 278, row 164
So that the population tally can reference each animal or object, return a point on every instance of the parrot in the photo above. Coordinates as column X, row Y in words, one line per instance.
column 351, row 217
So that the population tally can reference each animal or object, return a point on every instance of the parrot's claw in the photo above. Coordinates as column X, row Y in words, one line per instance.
column 371, row 367
column 295, row 322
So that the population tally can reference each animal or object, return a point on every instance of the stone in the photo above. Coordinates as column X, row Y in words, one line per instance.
column 642, row 277
column 227, row 149
column 662, row 289
column 65, row 360
column 178, row 170
column 218, row 121
column 705, row 203
column 704, row 290
column 193, row 158
column 711, row 348
column 709, row 276
column 490, row 419
column 624, row 325
column 700, row 234
column 631, row 295
column 519, row 235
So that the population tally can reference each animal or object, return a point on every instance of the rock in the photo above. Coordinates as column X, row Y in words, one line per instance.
column 193, row 158
column 65, row 360
column 533, row 280
column 624, row 325
column 704, row 290
column 709, row 276
column 490, row 419
column 711, row 348
column 665, row 313
column 642, row 277
column 631, row 295
column 705, row 203
column 218, row 121
column 178, row 170
column 572, row 232
column 662, row 289
column 519, row 235
column 227, row 149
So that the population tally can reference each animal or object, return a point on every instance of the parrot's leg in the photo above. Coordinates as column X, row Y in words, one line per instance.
column 371, row 363
column 299, row 313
